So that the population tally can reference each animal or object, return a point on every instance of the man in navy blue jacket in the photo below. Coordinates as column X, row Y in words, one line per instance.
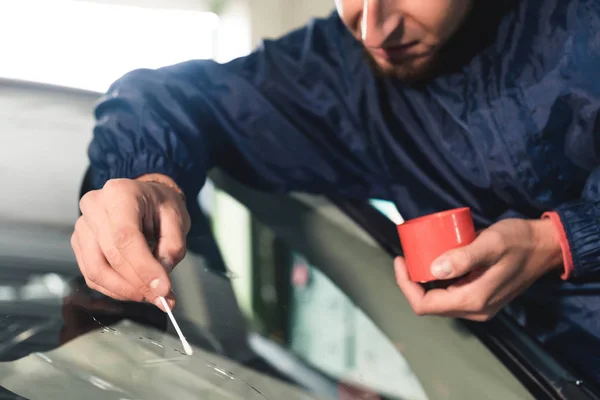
column 433, row 104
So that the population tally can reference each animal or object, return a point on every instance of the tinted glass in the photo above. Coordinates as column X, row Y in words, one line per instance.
column 544, row 312
column 293, row 303
column 264, row 323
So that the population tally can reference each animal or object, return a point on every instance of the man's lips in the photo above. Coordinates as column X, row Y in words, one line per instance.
column 394, row 53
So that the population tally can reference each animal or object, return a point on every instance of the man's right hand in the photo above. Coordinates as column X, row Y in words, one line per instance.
column 131, row 235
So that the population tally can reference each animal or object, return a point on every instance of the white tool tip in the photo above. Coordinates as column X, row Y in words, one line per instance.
column 187, row 348
column 184, row 342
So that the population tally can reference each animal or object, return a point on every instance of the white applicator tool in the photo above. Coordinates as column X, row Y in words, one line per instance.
column 184, row 342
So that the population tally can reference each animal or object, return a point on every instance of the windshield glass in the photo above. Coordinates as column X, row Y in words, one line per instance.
column 544, row 313
column 263, row 322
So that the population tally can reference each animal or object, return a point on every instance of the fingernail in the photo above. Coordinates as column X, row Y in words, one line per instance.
column 159, row 304
column 160, row 287
column 441, row 268
column 167, row 265
column 170, row 302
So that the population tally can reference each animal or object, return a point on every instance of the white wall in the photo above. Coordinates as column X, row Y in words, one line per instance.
column 304, row 9
column 44, row 135
column 273, row 18
column 172, row 4
column 68, row 44
column 43, row 142
column 234, row 35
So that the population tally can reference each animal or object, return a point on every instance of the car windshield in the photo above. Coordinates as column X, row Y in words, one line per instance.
column 263, row 320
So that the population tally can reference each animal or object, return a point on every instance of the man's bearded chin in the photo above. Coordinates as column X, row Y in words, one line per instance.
column 412, row 72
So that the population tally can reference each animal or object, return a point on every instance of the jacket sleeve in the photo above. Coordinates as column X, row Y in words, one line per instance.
column 580, row 218
column 280, row 119
column 581, row 223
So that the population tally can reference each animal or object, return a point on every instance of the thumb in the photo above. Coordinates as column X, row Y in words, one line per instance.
column 484, row 251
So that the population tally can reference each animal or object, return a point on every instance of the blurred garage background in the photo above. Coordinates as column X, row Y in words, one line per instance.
column 87, row 45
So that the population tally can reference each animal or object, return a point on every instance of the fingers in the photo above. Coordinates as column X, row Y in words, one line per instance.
column 170, row 250
column 111, row 240
column 436, row 301
column 413, row 291
column 129, row 240
column 485, row 250
column 490, row 272
column 458, row 301
column 113, row 257
column 116, row 221
column 99, row 275
column 97, row 272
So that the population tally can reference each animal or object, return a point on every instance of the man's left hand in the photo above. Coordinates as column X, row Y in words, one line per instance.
column 502, row 262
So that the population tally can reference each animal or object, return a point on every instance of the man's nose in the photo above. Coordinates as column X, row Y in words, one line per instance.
column 376, row 24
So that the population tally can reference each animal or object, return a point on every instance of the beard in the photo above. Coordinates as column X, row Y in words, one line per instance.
column 415, row 71
column 476, row 34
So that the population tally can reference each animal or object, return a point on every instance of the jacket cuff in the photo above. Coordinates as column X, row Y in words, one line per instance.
column 581, row 222
column 190, row 182
column 564, row 244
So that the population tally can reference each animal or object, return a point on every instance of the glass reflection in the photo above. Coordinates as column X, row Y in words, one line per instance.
column 38, row 287
column 257, row 312
column 296, row 309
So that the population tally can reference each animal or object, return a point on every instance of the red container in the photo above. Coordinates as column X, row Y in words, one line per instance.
column 426, row 238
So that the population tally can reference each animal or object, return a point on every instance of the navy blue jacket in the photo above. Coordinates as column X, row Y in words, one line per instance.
column 514, row 131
